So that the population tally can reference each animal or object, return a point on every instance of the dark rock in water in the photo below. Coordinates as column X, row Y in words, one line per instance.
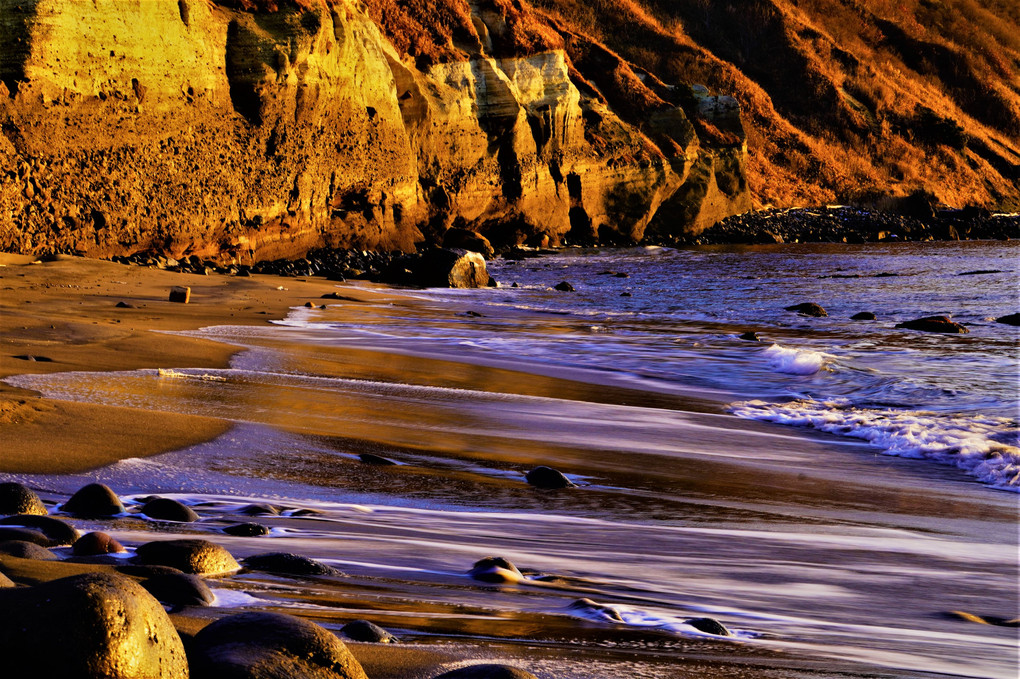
column 363, row 630
column 24, row 535
column 808, row 309
column 179, row 589
column 165, row 509
column 246, row 530
column 596, row 610
column 190, row 556
column 34, row 359
column 94, row 501
column 95, row 543
column 288, row 564
column 1011, row 319
column 439, row 268
column 980, row 272
column 258, row 510
column 749, row 336
column 90, row 626
column 625, row 294
column 564, row 287
column 547, row 477
column 309, row 305
column 471, row 314
column 466, row 239
column 270, row 646
column 57, row 531
column 369, row 458
column 621, row 275
column 487, row 671
column 495, row 569
column 708, row 626
column 16, row 498
column 26, row 550
column 933, row 324
column 863, row 316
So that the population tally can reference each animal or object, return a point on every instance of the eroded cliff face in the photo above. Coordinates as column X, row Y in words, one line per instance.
column 187, row 127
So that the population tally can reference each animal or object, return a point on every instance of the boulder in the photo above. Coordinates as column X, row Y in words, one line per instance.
column 564, row 286
column 487, row 671
column 94, row 501
column 1011, row 319
column 465, row 239
column 708, row 626
column 259, row 509
column 442, row 268
column 288, row 564
column 95, row 543
column 26, row 550
column 363, row 630
column 246, row 530
column 165, row 509
column 749, row 336
column 548, row 478
column 16, row 498
column 58, row 532
column 179, row 589
column 91, row 626
column 597, row 611
column 808, row 309
column 24, row 535
column 933, row 324
column 199, row 557
column 495, row 569
column 180, row 294
column 863, row 316
column 270, row 646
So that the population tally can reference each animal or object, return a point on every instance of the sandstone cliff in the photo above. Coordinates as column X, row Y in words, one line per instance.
column 246, row 131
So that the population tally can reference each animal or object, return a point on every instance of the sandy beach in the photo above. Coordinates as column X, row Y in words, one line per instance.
column 682, row 511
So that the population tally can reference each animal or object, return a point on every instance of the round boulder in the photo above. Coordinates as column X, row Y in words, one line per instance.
column 941, row 324
column 179, row 589
column 708, row 626
column 247, row 530
column 288, row 564
column 91, row 626
column 495, row 569
column 94, row 501
column 58, row 532
column 94, row 543
column 26, row 550
column 258, row 510
column 165, row 509
column 199, row 557
column 548, row 478
column 808, row 309
column 16, row 498
column 487, row 671
column 863, row 316
column 465, row 239
column 363, row 630
column 270, row 645
column 749, row 336
column 564, row 286
column 24, row 535
column 1010, row 319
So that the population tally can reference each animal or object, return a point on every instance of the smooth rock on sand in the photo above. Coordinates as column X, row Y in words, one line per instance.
column 941, row 324
column 495, row 569
column 25, row 535
column 198, row 557
column 26, row 550
column 92, row 626
column 547, row 478
column 179, row 589
column 16, row 498
column 369, row 632
column 288, row 564
column 58, row 532
column 95, row 543
column 808, row 309
column 165, row 509
column 487, row 671
column 94, row 501
column 708, row 626
column 270, row 645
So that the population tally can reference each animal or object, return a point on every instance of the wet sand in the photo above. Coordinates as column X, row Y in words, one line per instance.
column 682, row 507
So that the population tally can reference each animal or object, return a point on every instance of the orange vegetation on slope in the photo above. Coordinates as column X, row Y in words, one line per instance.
column 842, row 98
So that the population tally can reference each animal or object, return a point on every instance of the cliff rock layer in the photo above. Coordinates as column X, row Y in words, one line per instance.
column 251, row 130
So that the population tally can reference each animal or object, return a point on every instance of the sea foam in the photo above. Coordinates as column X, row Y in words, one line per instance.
column 796, row 361
column 974, row 444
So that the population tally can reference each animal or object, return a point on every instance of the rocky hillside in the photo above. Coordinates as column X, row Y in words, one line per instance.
column 843, row 100
column 254, row 129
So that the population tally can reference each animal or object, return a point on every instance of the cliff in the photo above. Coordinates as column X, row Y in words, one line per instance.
column 245, row 130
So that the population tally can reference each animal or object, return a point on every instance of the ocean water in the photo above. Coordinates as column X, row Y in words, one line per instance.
column 833, row 494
